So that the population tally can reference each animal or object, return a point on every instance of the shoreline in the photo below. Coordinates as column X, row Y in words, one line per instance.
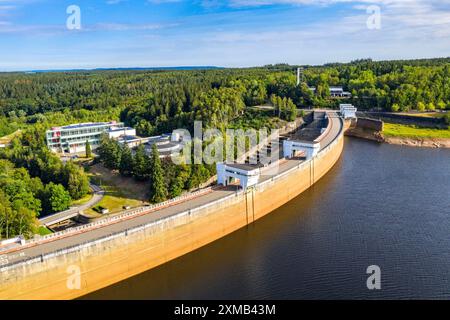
column 438, row 143
column 377, row 136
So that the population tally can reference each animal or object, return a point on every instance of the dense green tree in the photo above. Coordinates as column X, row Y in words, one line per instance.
column 6, row 217
column 141, row 164
column 56, row 198
column 256, row 94
column 199, row 175
column 421, row 106
column 290, row 111
column 158, row 189
column 110, row 152
column 441, row 105
column 284, row 107
column 395, row 107
column 88, row 149
column 126, row 161
column 74, row 180
column 19, row 202
column 178, row 181
column 15, row 221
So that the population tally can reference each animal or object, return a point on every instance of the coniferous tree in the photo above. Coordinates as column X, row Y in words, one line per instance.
column 88, row 149
column 158, row 189
column 126, row 161
column 140, row 164
column 291, row 111
column 178, row 181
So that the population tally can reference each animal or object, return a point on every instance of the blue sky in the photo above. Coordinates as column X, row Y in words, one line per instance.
column 229, row 33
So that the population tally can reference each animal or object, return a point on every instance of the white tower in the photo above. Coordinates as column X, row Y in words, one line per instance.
column 299, row 75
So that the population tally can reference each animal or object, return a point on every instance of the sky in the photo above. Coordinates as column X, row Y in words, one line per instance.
column 40, row 34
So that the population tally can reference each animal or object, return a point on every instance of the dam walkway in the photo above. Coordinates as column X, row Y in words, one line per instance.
column 334, row 130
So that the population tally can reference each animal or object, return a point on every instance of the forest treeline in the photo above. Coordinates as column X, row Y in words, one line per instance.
column 159, row 101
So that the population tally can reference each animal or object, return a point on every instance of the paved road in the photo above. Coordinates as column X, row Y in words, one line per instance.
column 336, row 127
column 153, row 216
column 73, row 212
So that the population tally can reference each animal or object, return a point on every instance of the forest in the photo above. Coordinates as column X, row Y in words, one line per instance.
column 158, row 101
column 35, row 182
column 165, row 183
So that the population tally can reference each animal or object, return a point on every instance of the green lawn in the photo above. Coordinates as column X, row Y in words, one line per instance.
column 114, row 200
column 83, row 200
column 43, row 231
column 119, row 191
column 406, row 131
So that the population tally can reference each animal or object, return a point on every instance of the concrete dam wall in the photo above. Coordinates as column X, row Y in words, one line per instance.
column 116, row 257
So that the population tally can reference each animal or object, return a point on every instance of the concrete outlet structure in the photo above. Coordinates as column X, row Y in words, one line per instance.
column 248, row 175
column 308, row 149
column 348, row 111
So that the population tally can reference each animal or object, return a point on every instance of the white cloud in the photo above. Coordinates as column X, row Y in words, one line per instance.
column 252, row 3
column 163, row 1
column 123, row 27
column 115, row 1
column 410, row 29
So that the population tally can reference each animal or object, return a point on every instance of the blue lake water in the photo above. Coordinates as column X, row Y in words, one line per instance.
column 380, row 205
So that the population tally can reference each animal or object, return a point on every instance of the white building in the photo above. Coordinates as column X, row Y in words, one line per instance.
column 166, row 144
column 347, row 111
column 247, row 175
column 115, row 133
column 307, row 149
column 72, row 138
column 338, row 92
column 335, row 92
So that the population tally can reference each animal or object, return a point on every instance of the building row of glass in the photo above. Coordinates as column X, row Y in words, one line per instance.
column 72, row 138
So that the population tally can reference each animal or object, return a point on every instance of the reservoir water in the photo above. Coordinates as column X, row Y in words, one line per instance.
column 380, row 205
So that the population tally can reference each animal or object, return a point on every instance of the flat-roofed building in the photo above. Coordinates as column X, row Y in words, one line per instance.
column 115, row 133
column 247, row 175
column 335, row 92
column 347, row 110
column 338, row 92
column 167, row 144
column 72, row 138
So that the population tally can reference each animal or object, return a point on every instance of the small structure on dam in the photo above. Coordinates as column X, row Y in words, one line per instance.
column 247, row 174
column 301, row 144
column 304, row 143
column 348, row 111
column 293, row 148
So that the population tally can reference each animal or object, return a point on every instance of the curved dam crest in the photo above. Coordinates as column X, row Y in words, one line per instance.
column 116, row 256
